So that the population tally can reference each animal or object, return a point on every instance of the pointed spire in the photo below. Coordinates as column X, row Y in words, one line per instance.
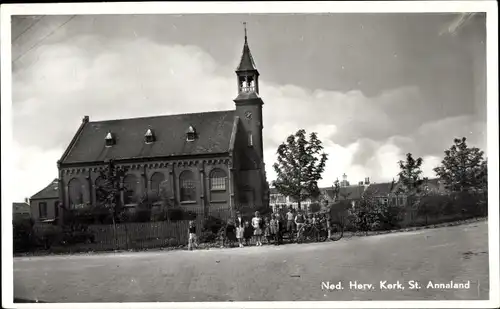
column 245, row 26
column 246, row 62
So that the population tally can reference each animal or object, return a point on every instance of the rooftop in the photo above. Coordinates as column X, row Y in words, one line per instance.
column 50, row 191
column 213, row 130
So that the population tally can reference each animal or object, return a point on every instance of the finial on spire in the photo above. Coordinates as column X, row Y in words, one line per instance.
column 245, row 28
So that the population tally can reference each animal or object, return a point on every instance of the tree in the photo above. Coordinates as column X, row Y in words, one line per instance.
column 364, row 215
column 109, row 193
column 463, row 168
column 412, row 184
column 411, row 180
column 300, row 165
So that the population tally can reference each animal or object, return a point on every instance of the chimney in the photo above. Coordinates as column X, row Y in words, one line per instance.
column 360, row 183
column 367, row 180
column 26, row 200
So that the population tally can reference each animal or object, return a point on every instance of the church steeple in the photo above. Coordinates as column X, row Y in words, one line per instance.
column 248, row 76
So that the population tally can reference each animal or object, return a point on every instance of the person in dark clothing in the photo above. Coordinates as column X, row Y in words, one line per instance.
column 247, row 233
column 230, row 233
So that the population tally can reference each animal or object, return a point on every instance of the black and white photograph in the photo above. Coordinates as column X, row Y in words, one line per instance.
column 247, row 155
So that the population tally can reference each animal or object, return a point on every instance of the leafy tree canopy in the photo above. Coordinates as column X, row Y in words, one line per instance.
column 463, row 168
column 300, row 165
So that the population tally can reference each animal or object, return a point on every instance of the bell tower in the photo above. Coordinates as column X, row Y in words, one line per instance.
column 248, row 102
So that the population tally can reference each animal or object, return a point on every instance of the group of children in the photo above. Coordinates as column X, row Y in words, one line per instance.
column 242, row 231
column 272, row 228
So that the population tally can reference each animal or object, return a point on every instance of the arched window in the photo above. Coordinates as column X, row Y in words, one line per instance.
column 156, row 181
column 188, row 186
column 75, row 192
column 131, row 186
column 218, row 180
column 100, row 196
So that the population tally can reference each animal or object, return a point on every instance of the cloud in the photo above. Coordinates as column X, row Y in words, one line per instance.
column 364, row 136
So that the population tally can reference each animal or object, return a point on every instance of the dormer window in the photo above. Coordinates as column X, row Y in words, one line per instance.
column 190, row 134
column 110, row 139
column 149, row 137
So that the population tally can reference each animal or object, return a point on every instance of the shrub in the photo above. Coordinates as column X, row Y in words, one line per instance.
column 179, row 214
column 23, row 234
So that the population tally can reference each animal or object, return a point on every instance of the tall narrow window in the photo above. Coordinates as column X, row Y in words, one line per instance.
column 42, row 208
column 75, row 193
column 56, row 209
column 156, row 181
column 250, row 140
column 100, row 195
column 218, row 180
column 131, row 186
column 188, row 186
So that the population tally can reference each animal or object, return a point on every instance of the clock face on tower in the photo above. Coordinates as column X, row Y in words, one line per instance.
column 248, row 114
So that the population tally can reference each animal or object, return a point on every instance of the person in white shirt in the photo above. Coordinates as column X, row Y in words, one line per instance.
column 299, row 221
column 257, row 226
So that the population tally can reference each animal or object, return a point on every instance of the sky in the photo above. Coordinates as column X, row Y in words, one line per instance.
column 373, row 86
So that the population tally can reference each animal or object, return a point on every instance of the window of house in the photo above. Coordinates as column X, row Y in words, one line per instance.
column 42, row 208
column 149, row 137
column 56, row 209
column 131, row 188
column 156, row 181
column 394, row 201
column 250, row 140
column 401, row 201
column 75, row 192
column 218, row 180
column 187, row 186
column 109, row 139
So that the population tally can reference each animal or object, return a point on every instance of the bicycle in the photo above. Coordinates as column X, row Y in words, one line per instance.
column 312, row 232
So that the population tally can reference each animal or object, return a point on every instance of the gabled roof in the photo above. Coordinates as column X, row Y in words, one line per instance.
column 50, row 191
column 380, row 189
column 246, row 62
column 213, row 136
column 20, row 208
column 351, row 192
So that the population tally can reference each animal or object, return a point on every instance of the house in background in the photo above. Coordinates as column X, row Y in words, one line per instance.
column 347, row 192
column 44, row 205
column 278, row 200
column 21, row 210
column 209, row 162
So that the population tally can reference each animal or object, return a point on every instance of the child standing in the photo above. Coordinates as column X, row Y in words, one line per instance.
column 247, row 233
column 192, row 241
column 240, row 229
column 257, row 228
column 267, row 230
column 274, row 229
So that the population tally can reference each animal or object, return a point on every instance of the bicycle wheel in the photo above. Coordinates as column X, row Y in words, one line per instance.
column 322, row 235
column 336, row 231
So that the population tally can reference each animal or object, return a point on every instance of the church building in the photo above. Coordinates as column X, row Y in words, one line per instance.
column 209, row 160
